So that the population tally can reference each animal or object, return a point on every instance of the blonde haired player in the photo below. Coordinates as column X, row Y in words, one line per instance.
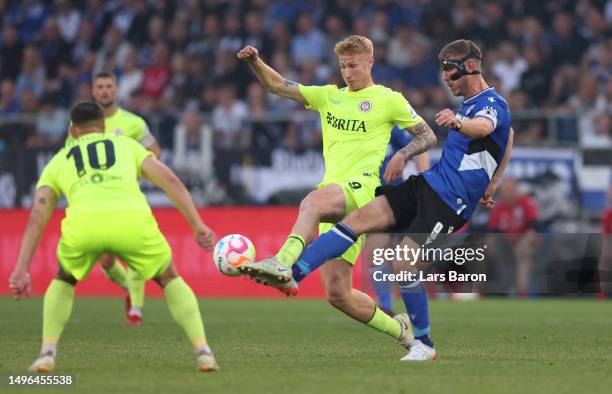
column 356, row 124
column 107, row 213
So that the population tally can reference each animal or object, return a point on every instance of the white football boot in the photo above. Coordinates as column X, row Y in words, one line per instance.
column 420, row 352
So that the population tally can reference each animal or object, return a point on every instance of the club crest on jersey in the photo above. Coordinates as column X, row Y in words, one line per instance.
column 365, row 106
column 118, row 132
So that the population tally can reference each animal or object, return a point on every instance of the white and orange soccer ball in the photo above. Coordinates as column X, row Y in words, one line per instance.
column 231, row 251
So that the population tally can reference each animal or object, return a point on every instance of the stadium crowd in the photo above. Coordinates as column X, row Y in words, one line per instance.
column 176, row 62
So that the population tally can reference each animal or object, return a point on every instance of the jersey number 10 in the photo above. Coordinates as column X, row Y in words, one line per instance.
column 92, row 153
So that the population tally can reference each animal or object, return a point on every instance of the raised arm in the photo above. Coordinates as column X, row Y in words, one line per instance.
column 45, row 201
column 268, row 77
column 163, row 177
column 424, row 139
column 478, row 127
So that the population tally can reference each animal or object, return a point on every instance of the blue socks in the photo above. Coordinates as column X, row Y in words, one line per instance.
column 415, row 299
column 382, row 288
column 327, row 246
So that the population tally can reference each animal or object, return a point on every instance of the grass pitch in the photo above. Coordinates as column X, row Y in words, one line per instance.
column 305, row 346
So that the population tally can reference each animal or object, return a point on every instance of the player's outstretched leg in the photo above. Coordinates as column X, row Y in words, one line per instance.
column 337, row 280
column 57, row 308
column 183, row 306
column 323, row 205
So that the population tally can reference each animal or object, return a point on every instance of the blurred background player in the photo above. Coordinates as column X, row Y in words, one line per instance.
column 121, row 122
column 516, row 216
column 441, row 200
column 356, row 125
column 107, row 213
column 383, row 289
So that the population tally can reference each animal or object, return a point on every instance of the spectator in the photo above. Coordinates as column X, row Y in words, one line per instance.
column 52, row 47
column 254, row 33
column 510, row 67
column 231, row 40
column 28, row 102
column 228, row 119
column 176, row 93
column 602, row 135
column 588, row 103
column 567, row 44
column 11, row 53
column 29, row 16
column 32, row 76
column 156, row 32
column 114, row 45
column 309, row 42
column 157, row 76
column 177, row 37
column 50, row 125
column 536, row 79
column 100, row 19
column 208, row 41
column 334, row 32
column 401, row 46
column 193, row 154
column 68, row 20
column 515, row 215
column 83, row 44
column 130, row 80
column 137, row 31
column 8, row 99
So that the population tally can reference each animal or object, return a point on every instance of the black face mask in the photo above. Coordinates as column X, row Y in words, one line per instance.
column 459, row 65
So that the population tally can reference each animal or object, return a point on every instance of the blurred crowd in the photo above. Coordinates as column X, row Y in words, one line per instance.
column 176, row 63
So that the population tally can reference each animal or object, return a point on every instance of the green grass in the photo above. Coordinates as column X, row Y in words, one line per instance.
column 305, row 346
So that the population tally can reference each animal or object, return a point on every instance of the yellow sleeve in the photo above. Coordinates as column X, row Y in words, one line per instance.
column 402, row 112
column 139, row 153
column 316, row 96
column 49, row 177
column 134, row 127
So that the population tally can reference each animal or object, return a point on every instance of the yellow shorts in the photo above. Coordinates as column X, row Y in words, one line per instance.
column 357, row 193
column 134, row 237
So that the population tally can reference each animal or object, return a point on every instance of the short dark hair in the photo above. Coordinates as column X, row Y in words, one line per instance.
column 85, row 112
column 105, row 74
column 459, row 49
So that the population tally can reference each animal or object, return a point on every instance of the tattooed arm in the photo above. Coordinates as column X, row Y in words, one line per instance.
column 424, row 138
column 45, row 201
column 268, row 77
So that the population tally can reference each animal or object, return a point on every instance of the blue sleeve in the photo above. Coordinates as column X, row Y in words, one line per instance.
column 399, row 138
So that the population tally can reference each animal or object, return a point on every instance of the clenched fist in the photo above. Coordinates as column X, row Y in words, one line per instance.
column 248, row 53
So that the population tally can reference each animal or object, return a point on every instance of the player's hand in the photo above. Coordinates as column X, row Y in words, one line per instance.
column 20, row 284
column 248, row 53
column 487, row 197
column 205, row 237
column 395, row 167
column 446, row 118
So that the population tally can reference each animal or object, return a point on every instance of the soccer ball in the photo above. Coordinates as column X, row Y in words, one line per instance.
column 231, row 251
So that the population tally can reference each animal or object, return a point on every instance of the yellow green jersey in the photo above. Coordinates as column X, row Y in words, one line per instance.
column 98, row 174
column 126, row 123
column 356, row 127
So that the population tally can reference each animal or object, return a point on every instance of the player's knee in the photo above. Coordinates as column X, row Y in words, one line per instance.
column 311, row 204
column 166, row 276
column 337, row 297
column 355, row 218
column 65, row 277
